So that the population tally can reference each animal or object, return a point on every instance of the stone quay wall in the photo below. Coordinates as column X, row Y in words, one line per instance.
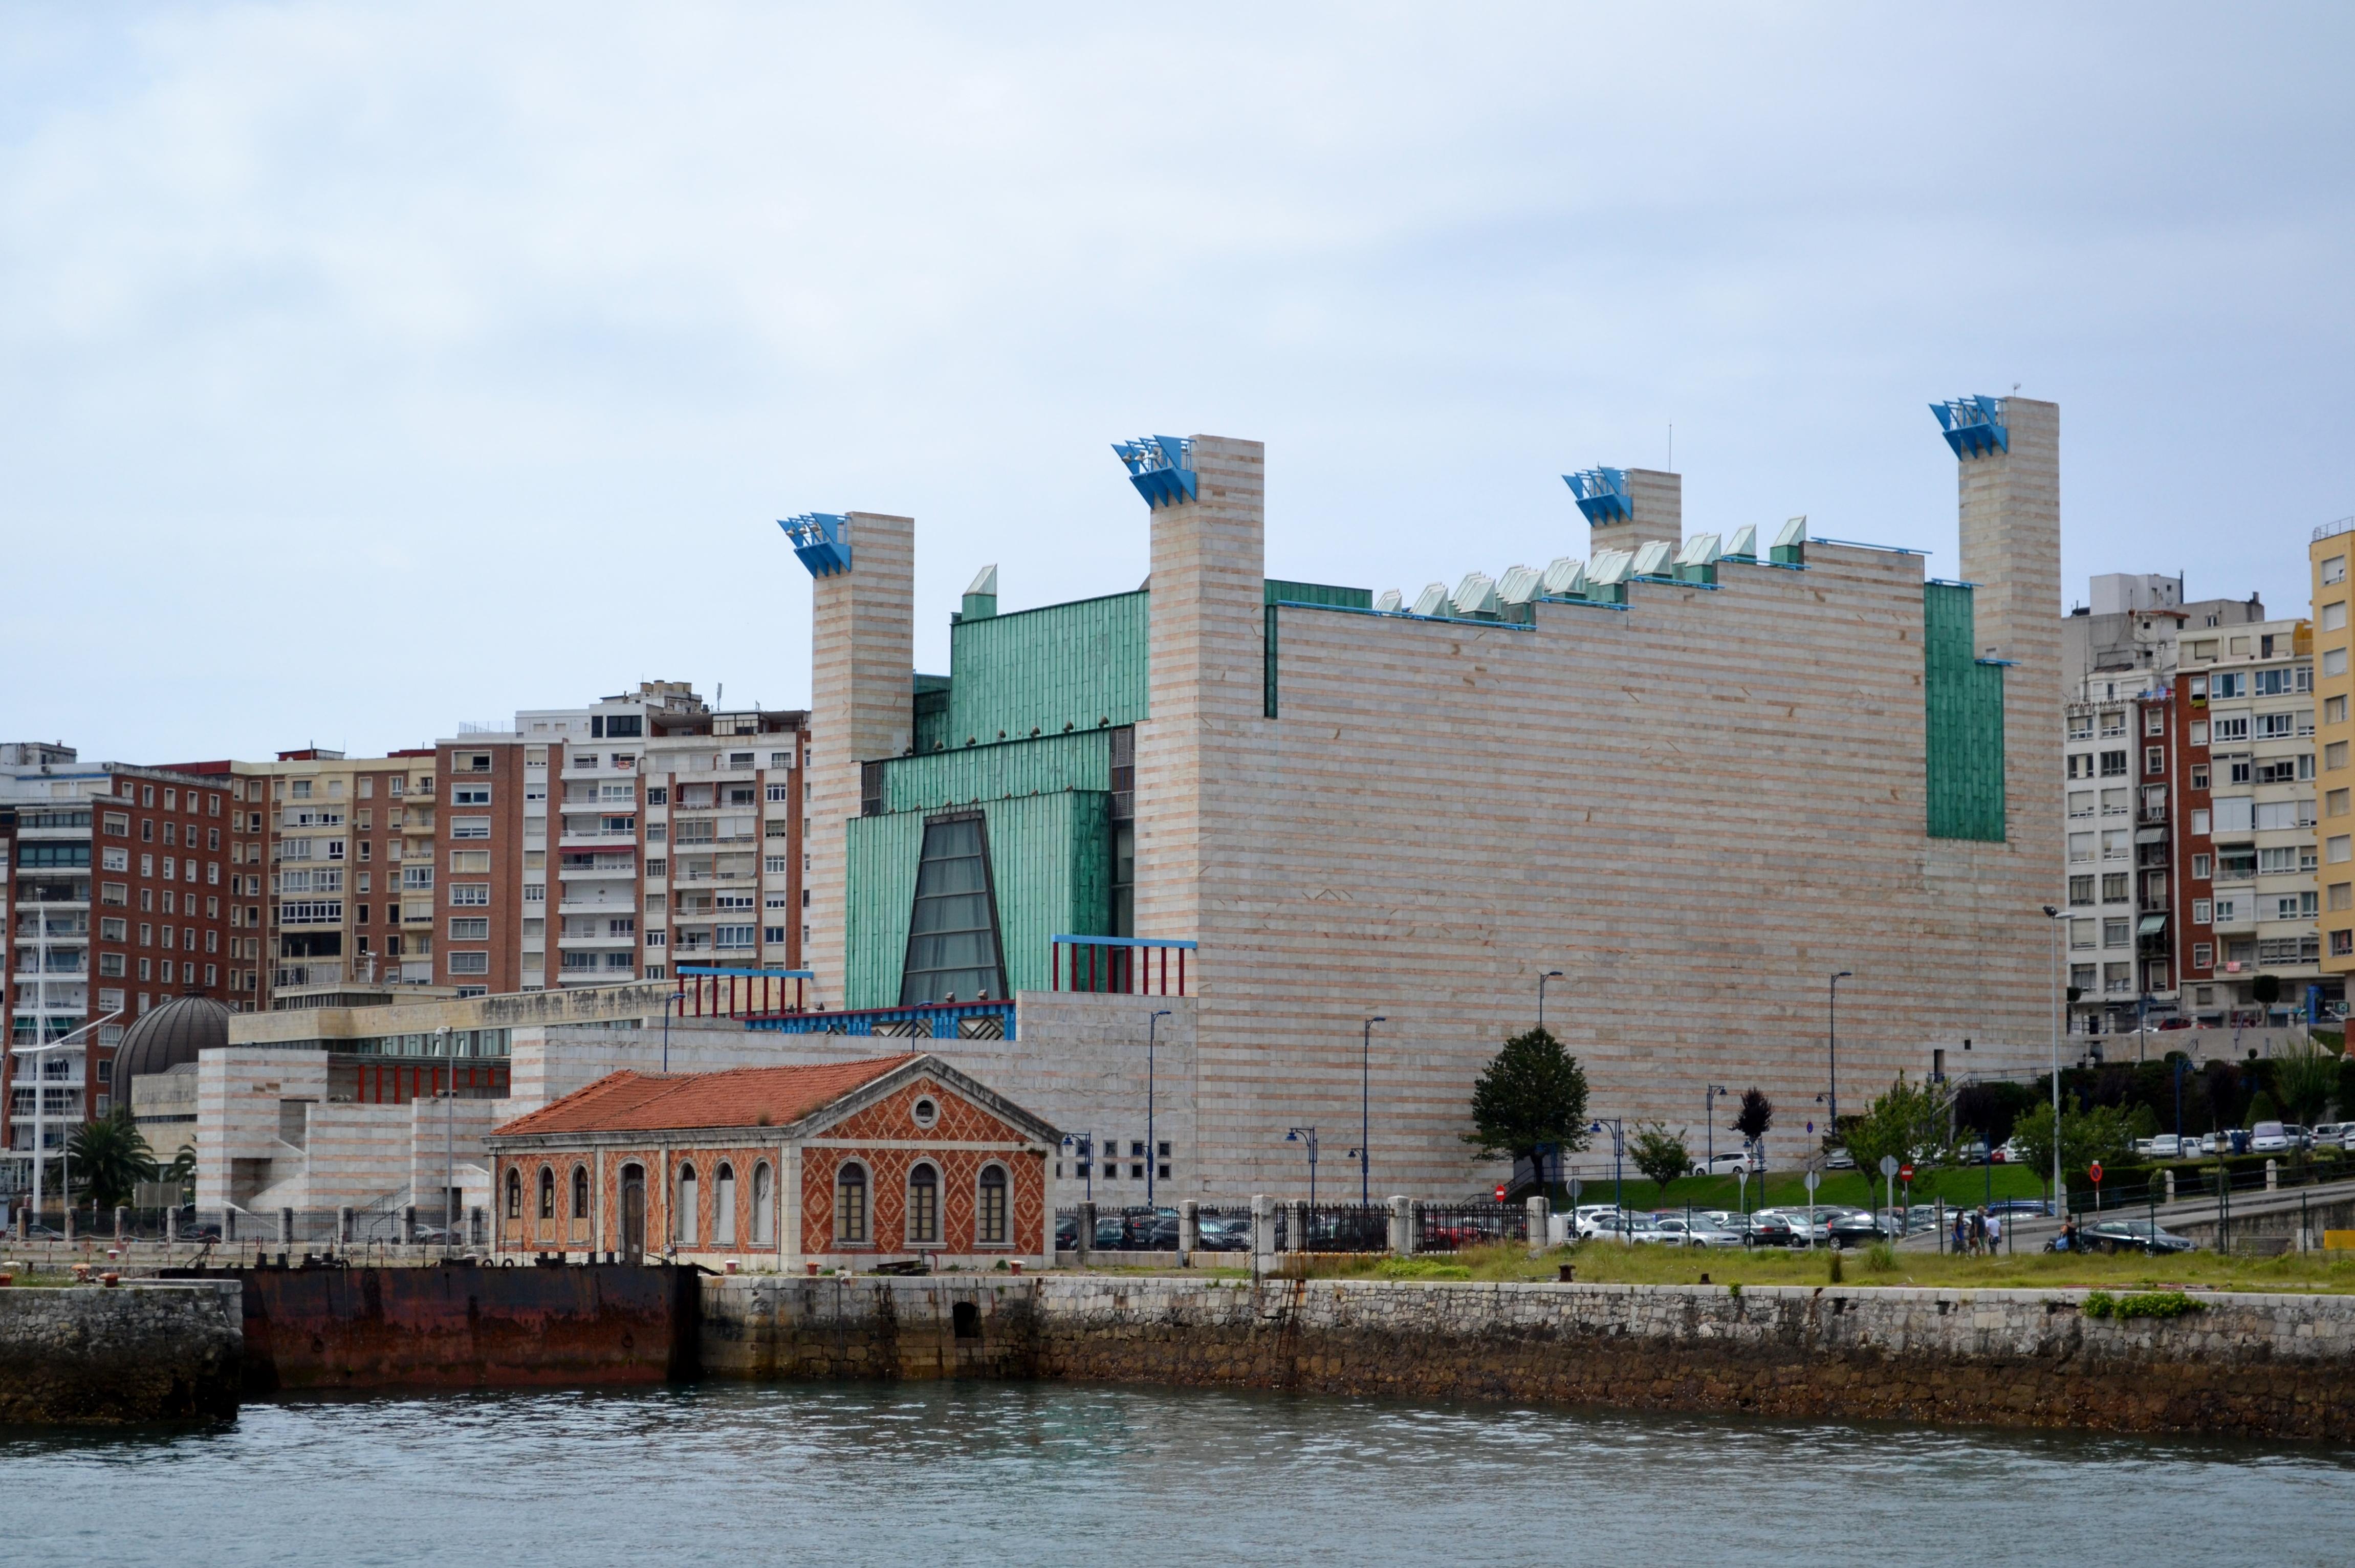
column 2275, row 1366
column 90, row 1355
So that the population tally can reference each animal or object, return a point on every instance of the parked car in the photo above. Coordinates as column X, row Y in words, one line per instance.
column 2300, row 1137
column 2166, row 1146
column 1067, row 1232
column 2270, row 1138
column 1806, row 1231
column 1224, row 1235
column 1972, row 1153
column 2133, row 1236
column 1695, row 1232
column 1725, row 1163
column 1112, row 1234
column 1839, row 1159
column 2020, row 1206
column 1768, row 1231
column 1861, row 1230
column 2007, row 1152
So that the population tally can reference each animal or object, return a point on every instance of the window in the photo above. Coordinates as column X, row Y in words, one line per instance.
column 2114, row 803
column 952, row 936
column 2080, row 890
column 850, row 1205
column 2080, row 726
column 2334, row 756
column 2201, row 912
column 764, row 1199
column 2114, row 888
column 2199, row 733
column 535, row 893
column 924, row 1206
column 2334, row 710
column 2082, row 933
column 2225, row 730
column 474, row 894
column 475, row 861
column 657, row 794
column 470, row 827
column 781, row 792
column 771, row 936
column 2114, row 722
column 2204, row 955
column 2341, row 848
column 2081, row 803
column 735, row 935
column 580, row 1193
column 688, row 1216
column 475, row 928
column 2154, row 721
column 417, row 877
column 2114, row 932
column 723, row 1206
column 2334, row 662
column 2081, row 764
column 547, row 1193
column 2114, row 765
column 2084, row 977
column 776, row 865
column 2342, row 943
column 515, row 1195
column 989, row 1211
column 2198, row 775
column 2153, row 759
column 470, row 795
column 2334, row 569
column 2115, row 844
column 469, row 963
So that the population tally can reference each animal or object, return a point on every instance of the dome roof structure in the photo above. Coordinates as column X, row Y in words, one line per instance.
column 170, row 1035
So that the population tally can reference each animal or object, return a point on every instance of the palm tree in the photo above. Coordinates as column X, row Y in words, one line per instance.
column 109, row 1158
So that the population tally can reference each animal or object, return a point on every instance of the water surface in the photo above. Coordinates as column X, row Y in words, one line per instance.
column 1049, row 1475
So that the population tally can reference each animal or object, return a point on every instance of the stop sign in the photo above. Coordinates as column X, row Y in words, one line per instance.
column 2094, row 1170
column 1906, row 1171
column 1500, row 1189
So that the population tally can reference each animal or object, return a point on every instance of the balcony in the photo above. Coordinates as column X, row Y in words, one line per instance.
column 308, row 975
column 597, row 939
column 597, row 906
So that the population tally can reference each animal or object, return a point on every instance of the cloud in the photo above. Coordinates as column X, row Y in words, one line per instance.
column 372, row 369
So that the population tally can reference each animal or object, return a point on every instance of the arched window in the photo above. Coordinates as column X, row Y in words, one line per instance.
column 764, row 1203
column 924, row 1206
column 723, row 1206
column 547, row 1193
column 851, row 1205
column 684, row 1227
column 515, row 1194
column 580, row 1193
column 990, row 1210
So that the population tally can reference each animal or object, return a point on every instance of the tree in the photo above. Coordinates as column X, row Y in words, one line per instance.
column 2142, row 1123
column 2304, row 1081
column 1757, row 1115
column 180, row 1172
column 2085, row 1137
column 2266, row 989
column 110, row 1159
column 1659, row 1154
column 1989, row 1109
column 1532, row 1095
column 1910, row 1121
column 2261, row 1109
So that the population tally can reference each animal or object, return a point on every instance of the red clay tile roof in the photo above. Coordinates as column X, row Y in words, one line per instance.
column 741, row 1098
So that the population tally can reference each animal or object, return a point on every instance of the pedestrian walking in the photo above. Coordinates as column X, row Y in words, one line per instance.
column 1962, row 1232
column 1994, row 1233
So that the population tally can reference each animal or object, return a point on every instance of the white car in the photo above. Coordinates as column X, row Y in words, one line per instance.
column 1695, row 1232
column 2166, row 1146
column 1725, row 1163
column 2269, row 1137
column 1839, row 1159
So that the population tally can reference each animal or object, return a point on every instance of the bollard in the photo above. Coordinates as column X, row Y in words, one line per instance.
column 1263, row 1234
column 1540, row 1212
column 171, row 1225
column 122, row 1221
column 1401, row 1227
column 343, row 1225
column 228, row 1225
column 1189, row 1230
column 1083, row 1230
column 285, row 1227
column 69, row 1228
column 2168, row 1182
column 474, row 1225
column 408, row 1224
column 2272, row 1175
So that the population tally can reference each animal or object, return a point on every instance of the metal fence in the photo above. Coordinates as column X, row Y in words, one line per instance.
column 1451, row 1227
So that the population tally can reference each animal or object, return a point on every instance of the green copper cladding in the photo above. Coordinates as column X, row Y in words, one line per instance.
column 1962, row 699
column 1275, row 591
column 1061, row 667
column 965, row 776
column 879, row 879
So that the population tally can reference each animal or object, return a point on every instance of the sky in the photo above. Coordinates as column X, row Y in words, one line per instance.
column 373, row 368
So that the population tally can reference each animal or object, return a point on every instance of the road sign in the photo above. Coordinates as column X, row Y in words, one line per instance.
column 1887, row 1165
column 1500, row 1192
column 1906, row 1171
column 1813, row 1178
column 2094, row 1170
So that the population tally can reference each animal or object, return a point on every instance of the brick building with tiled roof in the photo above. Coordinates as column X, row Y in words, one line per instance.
column 843, row 1164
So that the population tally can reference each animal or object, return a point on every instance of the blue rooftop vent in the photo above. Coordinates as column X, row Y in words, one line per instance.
column 822, row 540
column 1602, row 495
column 1160, row 467
column 1974, row 426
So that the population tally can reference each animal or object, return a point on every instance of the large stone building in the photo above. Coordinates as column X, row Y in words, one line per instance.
column 1699, row 775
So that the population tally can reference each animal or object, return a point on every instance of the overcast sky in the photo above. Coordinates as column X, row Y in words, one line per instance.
column 373, row 368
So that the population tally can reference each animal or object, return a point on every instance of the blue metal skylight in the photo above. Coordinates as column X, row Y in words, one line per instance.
column 822, row 540
column 1160, row 467
column 1974, row 425
column 1602, row 495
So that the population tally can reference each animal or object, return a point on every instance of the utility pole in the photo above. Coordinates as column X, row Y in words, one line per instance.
column 1843, row 975
column 1152, row 1149
column 1366, row 1108
column 2059, row 1194
column 1548, row 974
column 449, row 1140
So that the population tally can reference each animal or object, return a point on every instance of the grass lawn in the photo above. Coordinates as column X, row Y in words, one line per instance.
column 1606, row 1263
column 1962, row 1185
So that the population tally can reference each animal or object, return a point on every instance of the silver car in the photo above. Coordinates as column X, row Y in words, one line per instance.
column 1695, row 1232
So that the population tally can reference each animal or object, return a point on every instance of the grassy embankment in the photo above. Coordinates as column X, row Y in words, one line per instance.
column 1959, row 1186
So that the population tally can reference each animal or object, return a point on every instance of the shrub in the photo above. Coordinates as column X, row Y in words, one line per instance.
column 1420, row 1268
column 1880, row 1258
column 2139, row 1304
column 1832, row 1266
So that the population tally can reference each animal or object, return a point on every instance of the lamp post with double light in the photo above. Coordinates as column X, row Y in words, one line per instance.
column 1366, row 1108
column 1548, row 974
column 1308, row 1136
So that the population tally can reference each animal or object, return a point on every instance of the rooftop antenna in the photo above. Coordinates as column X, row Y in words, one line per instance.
column 1672, row 446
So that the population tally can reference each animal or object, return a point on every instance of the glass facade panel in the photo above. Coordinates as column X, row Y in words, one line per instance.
column 953, row 931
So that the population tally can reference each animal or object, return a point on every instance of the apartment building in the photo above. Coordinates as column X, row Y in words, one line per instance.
column 2334, row 686
column 123, row 891
column 2124, row 738
column 2247, row 840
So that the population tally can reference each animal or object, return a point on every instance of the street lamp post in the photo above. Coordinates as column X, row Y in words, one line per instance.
column 1308, row 1135
column 449, row 1140
column 1709, row 1116
column 1366, row 1108
column 1152, row 1149
column 1834, row 1040
column 2059, row 1194
column 31, row 1053
column 1548, row 974
column 1618, row 1150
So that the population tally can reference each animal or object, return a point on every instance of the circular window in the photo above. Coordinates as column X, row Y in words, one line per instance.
column 926, row 1112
